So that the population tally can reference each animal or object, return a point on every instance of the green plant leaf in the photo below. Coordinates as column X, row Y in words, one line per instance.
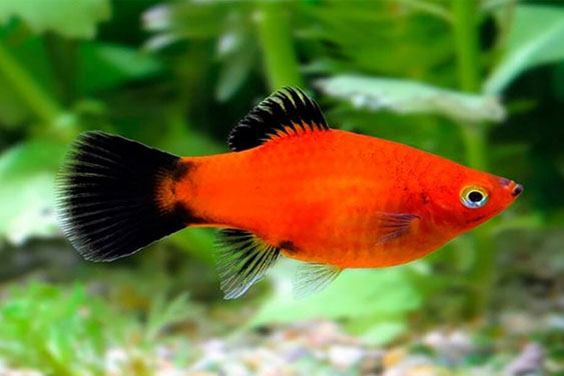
column 237, row 64
column 163, row 313
column 381, row 294
column 183, row 20
column 407, row 97
column 105, row 66
column 199, row 242
column 69, row 18
column 58, row 331
column 27, row 173
column 534, row 39
column 12, row 109
column 383, row 333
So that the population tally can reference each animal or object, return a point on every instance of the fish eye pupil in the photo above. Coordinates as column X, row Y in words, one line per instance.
column 475, row 196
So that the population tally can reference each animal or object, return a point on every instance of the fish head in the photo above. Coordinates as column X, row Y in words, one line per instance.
column 470, row 197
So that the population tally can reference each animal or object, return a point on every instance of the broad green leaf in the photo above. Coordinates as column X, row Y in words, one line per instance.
column 27, row 62
column 237, row 61
column 104, row 66
column 384, row 332
column 407, row 97
column 384, row 293
column 12, row 110
column 535, row 38
column 69, row 18
column 181, row 20
column 376, row 330
column 27, row 173
column 199, row 242
column 372, row 46
column 164, row 313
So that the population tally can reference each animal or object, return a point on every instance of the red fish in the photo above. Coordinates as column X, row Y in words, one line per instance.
column 291, row 187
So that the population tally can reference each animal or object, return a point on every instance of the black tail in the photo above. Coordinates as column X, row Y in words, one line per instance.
column 110, row 196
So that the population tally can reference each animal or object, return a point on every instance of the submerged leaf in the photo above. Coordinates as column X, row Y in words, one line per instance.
column 164, row 313
column 383, row 333
column 535, row 39
column 405, row 97
column 105, row 66
column 27, row 173
column 385, row 293
column 183, row 20
column 237, row 52
column 70, row 18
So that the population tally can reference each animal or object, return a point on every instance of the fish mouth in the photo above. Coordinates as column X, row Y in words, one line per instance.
column 517, row 189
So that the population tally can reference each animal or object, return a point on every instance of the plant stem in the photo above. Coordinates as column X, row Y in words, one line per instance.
column 475, row 143
column 466, row 43
column 276, row 42
column 465, row 26
column 27, row 88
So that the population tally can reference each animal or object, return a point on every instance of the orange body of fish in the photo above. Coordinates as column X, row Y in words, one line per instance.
column 292, row 187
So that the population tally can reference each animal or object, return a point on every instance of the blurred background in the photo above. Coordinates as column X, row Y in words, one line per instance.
column 478, row 82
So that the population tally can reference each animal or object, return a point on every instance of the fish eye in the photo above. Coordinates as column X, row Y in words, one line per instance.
column 473, row 197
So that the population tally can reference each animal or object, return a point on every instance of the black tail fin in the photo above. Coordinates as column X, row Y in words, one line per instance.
column 109, row 205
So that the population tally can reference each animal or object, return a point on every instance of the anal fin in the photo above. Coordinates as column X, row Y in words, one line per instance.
column 242, row 261
column 312, row 278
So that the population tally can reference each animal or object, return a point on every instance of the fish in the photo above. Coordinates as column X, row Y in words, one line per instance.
column 291, row 187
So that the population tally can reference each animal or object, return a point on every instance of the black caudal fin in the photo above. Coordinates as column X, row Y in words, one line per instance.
column 110, row 196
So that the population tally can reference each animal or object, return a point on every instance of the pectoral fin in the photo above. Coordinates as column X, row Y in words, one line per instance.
column 392, row 226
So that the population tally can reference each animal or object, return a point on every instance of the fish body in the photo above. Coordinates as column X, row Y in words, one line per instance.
column 291, row 187
column 321, row 196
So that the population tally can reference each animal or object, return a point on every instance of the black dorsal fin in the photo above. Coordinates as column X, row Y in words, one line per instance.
column 242, row 261
column 286, row 111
